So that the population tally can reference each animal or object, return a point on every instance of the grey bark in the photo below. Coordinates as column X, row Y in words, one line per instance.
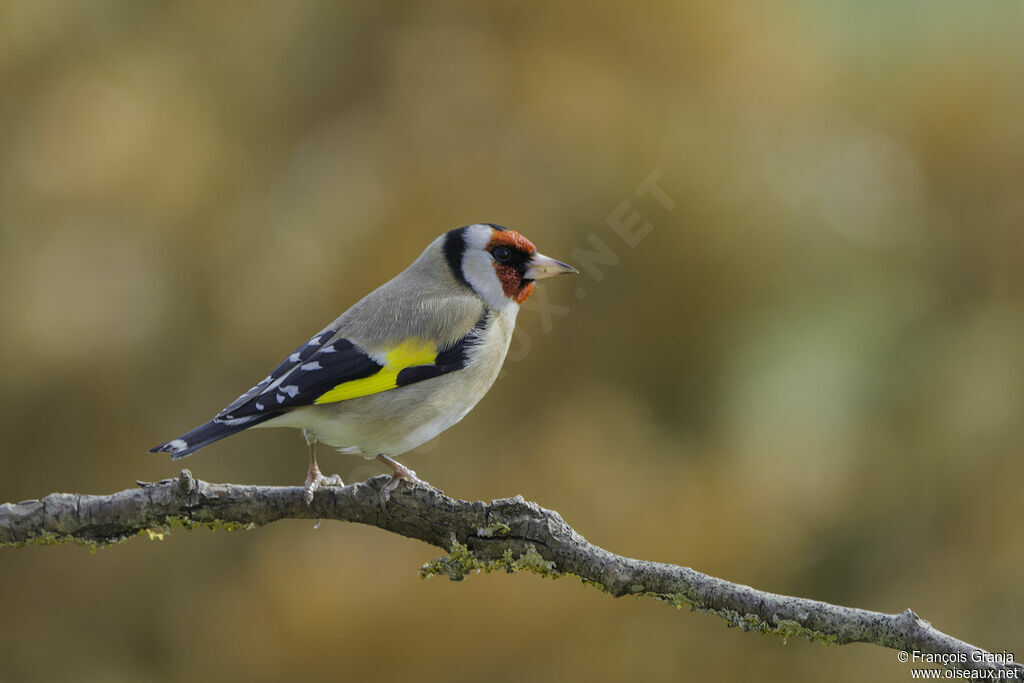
column 509, row 534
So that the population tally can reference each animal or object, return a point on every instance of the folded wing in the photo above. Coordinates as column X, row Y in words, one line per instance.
column 329, row 368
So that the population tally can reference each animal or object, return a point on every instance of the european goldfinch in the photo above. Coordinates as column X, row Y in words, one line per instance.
column 404, row 364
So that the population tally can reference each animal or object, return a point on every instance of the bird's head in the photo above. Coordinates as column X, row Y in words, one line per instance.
column 499, row 264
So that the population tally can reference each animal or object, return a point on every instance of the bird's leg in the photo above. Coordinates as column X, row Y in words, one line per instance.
column 399, row 473
column 314, row 479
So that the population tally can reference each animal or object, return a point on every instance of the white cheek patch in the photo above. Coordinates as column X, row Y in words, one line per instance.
column 478, row 268
column 480, row 275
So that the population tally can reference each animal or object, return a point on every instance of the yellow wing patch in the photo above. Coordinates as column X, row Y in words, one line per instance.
column 409, row 353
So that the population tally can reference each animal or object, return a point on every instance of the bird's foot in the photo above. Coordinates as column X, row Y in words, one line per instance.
column 314, row 480
column 399, row 473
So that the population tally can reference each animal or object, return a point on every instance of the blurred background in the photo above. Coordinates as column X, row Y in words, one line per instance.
column 807, row 376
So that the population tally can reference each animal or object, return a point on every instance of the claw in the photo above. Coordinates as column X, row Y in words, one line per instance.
column 315, row 479
column 399, row 474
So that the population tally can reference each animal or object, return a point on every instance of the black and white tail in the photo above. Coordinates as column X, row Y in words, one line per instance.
column 205, row 434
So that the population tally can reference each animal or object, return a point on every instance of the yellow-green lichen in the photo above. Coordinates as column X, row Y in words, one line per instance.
column 159, row 532
column 784, row 628
column 461, row 562
column 496, row 529
column 154, row 533
column 788, row 628
column 213, row 525
column 50, row 538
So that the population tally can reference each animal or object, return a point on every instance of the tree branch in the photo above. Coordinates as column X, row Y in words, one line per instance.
column 508, row 534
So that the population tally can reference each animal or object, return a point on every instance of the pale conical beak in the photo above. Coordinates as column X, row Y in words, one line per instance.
column 541, row 266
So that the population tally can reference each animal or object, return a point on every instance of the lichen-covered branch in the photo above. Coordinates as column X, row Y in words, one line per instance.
column 508, row 534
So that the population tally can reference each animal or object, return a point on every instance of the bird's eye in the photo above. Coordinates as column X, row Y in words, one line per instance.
column 501, row 254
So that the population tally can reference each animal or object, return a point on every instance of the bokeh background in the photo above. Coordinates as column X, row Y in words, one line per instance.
column 807, row 376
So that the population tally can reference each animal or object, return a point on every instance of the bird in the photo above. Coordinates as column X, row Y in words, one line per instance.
column 405, row 363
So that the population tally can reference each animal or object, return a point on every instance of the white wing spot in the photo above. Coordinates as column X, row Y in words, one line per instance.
column 315, row 341
column 291, row 389
column 280, row 398
column 294, row 358
column 328, row 349
column 312, row 365
column 177, row 445
column 237, row 420
column 259, row 406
